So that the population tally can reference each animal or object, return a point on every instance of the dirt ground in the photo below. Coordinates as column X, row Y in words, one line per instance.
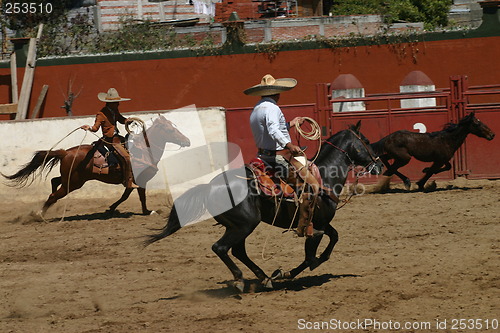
column 426, row 260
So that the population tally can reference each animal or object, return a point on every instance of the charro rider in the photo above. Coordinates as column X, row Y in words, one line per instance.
column 270, row 132
column 106, row 119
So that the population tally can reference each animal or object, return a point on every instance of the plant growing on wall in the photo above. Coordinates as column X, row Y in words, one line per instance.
column 66, row 36
column 433, row 13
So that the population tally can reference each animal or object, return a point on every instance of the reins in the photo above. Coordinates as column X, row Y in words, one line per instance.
column 353, row 165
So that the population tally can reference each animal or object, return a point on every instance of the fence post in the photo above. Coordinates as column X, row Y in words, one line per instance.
column 458, row 107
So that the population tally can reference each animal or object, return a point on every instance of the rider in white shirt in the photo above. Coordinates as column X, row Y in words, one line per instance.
column 270, row 132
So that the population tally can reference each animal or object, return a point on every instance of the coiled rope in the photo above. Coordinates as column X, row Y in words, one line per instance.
column 312, row 135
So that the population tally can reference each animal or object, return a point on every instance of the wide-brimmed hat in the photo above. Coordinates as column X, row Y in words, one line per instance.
column 270, row 86
column 111, row 96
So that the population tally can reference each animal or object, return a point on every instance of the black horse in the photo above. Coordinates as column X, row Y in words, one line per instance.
column 436, row 147
column 339, row 154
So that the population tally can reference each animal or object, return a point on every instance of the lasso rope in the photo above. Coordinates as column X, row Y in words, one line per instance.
column 69, row 175
column 312, row 135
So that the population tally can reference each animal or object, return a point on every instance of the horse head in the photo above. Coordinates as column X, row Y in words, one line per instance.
column 164, row 127
column 477, row 127
column 361, row 152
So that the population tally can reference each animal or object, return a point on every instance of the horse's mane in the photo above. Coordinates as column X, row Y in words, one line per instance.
column 451, row 127
column 334, row 136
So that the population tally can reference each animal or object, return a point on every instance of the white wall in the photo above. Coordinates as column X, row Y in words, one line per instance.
column 20, row 139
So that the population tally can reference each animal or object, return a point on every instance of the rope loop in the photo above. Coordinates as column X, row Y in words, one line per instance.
column 313, row 134
column 135, row 120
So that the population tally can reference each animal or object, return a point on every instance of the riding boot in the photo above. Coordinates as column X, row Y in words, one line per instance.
column 303, row 215
column 128, row 177
column 306, row 208
column 306, row 211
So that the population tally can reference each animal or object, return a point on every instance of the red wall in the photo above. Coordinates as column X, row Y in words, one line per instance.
column 220, row 80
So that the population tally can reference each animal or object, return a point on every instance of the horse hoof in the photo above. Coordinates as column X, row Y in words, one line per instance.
column 38, row 216
column 153, row 212
column 280, row 274
column 267, row 283
column 314, row 263
column 431, row 186
column 407, row 184
column 239, row 285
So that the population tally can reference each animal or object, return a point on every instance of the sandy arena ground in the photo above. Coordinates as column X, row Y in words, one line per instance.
column 418, row 259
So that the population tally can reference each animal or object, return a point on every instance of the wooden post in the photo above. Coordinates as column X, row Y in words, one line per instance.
column 22, row 107
column 39, row 102
column 8, row 108
column 29, row 73
column 139, row 9
column 13, row 78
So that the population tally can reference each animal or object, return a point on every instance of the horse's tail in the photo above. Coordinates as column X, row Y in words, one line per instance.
column 42, row 160
column 192, row 205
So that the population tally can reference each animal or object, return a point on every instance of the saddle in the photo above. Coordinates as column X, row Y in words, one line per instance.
column 272, row 186
column 103, row 159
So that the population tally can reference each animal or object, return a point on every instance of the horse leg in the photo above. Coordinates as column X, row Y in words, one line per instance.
column 406, row 180
column 55, row 182
column 334, row 238
column 433, row 169
column 392, row 169
column 239, row 251
column 311, row 261
column 142, row 196
column 221, row 248
column 53, row 197
column 446, row 167
column 124, row 197
column 61, row 192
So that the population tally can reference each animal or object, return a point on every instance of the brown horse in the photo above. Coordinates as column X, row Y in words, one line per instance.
column 436, row 147
column 74, row 174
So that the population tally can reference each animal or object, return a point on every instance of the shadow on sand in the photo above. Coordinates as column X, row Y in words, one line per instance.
column 254, row 286
column 427, row 190
column 94, row 216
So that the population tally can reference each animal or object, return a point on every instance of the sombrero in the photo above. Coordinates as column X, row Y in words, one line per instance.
column 270, row 86
column 111, row 96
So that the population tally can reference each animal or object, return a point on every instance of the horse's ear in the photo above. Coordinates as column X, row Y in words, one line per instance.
column 357, row 126
column 468, row 117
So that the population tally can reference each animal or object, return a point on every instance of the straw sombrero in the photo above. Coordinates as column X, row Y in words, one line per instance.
column 270, row 86
column 111, row 96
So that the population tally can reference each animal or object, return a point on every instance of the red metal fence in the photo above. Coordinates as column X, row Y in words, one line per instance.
column 476, row 159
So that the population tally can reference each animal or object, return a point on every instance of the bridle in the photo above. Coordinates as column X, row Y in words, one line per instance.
column 369, row 167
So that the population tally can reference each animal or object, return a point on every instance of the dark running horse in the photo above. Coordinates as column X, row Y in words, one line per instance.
column 73, row 175
column 436, row 147
column 338, row 155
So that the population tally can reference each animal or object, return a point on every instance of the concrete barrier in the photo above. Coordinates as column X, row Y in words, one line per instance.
column 21, row 139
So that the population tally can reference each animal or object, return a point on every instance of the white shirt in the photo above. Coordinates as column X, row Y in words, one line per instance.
column 269, row 125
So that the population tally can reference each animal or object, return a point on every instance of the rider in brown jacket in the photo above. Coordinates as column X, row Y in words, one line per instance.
column 106, row 119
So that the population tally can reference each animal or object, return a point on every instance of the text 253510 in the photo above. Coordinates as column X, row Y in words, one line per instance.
column 27, row 8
